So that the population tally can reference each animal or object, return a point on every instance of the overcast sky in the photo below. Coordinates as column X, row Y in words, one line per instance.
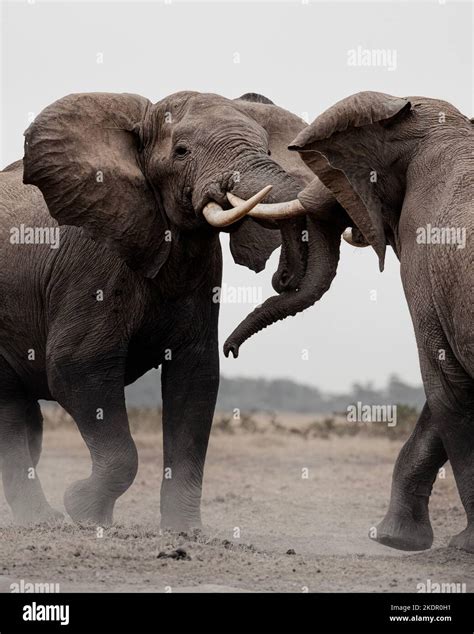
column 295, row 53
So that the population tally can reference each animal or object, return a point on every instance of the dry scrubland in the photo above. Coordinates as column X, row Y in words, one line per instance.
column 296, row 533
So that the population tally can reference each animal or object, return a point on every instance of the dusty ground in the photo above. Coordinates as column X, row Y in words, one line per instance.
column 253, row 483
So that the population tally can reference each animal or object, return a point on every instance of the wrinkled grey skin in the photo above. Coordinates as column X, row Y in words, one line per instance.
column 320, row 248
column 422, row 153
column 77, row 324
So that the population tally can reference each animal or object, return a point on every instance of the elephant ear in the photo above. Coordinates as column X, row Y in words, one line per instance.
column 344, row 148
column 82, row 152
column 252, row 244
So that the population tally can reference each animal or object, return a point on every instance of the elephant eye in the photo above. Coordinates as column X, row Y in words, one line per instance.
column 181, row 150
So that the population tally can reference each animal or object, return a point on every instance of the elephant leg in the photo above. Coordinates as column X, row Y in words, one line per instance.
column 406, row 525
column 34, row 429
column 189, row 384
column 19, row 453
column 21, row 482
column 459, row 442
column 451, row 399
column 95, row 400
column 458, row 437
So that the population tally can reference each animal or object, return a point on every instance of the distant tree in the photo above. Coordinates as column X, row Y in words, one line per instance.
column 283, row 394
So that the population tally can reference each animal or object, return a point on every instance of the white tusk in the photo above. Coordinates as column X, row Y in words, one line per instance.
column 218, row 217
column 273, row 211
column 349, row 238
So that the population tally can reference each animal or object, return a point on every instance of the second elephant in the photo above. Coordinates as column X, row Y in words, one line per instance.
column 403, row 170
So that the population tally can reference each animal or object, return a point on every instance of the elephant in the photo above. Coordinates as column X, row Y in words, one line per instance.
column 136, row 192
column 403, row 171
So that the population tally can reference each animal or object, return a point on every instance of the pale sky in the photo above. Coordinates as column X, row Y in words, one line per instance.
column 296, row 54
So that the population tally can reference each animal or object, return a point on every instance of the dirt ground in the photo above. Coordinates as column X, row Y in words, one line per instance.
column 296, row 533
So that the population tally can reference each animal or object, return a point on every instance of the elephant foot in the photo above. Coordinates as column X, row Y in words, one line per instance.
column 25, row 496
column 403, row 533
column 179, row 524
column 27, row 516
column 85, row 506
column 464, row 540
column 180, row 520
column 180, row 507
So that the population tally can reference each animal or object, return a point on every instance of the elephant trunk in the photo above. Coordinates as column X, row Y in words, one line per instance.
column 293, row 256
column 261, row 171
column 322, row 260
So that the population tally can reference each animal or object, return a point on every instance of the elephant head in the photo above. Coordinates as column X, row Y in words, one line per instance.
column 139, row 176
column 368, row 149
column 362, row 150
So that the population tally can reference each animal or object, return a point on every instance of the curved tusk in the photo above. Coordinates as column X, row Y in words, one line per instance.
column 349, row 238
column 218, row 217
column 273, row 211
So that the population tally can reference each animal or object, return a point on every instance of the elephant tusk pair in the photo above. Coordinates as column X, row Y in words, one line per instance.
column 273, row 211
column 218, row 217
column 281, row 211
